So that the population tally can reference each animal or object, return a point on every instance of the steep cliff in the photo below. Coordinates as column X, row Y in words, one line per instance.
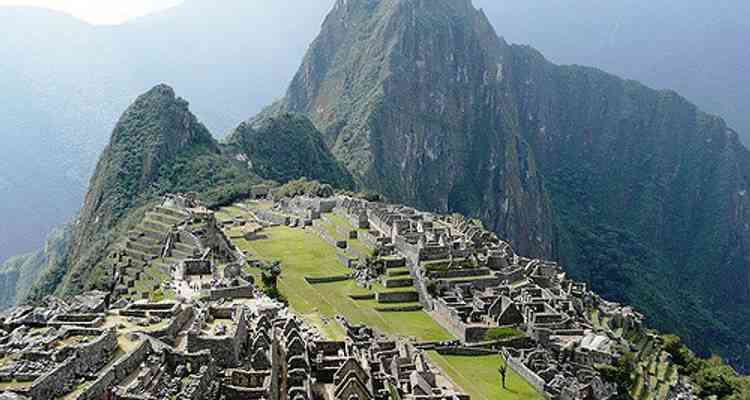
column 20, row 274
column 410, row 95
column 636, row 190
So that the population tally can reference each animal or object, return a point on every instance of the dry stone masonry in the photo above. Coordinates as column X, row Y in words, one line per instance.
column 212, row 334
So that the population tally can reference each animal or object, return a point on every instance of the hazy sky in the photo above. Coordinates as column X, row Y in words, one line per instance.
column 100, row 12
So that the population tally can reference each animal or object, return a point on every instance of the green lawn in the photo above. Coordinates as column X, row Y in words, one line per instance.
column 303, row 254
column 346, row 226
column 480, row 378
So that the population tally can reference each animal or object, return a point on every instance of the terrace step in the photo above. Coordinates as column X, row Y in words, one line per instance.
column 369, row 296
column 149, row 240
column 155, row 226
column 143, row 248
column 410, row 296
column 138, row 255
column 405, row 307
column 402, row 271
column 165, row 219
column 156, row 236
column 398, row 282
column 181, row 254
column 185, row 248
column 172, row 212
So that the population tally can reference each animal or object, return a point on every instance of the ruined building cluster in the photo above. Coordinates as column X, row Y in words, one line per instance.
column 475, row 285
column 184, row 318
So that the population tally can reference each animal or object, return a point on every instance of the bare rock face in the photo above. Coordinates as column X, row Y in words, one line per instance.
column 636, row 190
column 411, row 96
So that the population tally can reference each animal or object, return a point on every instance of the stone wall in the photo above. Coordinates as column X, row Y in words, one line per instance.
column 194, row 267
column 272, row 217
column 417, row 307
column 393, row 262
column 464, row 351
column 169, row 333
column 347, row 261
column 397, row 297
column 117, row 372
column 448, row 319
column 458, row 273
column 94, row 355
column 410, row 251
column 54, row 383
column 468, row 333
column 327, row 279
column 226, row 350
column 246, row 291
column 85, row 359
column 533, row 379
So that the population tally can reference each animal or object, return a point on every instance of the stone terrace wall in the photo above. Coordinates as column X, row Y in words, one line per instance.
column 117, row 372
column 327, row 279
column 464, row 351
column 397, row 297
column 533, row 379
column 53, row 384
column 169, row 333
column 239, row 292
column 272, row 217
column 87, row 359
column 94, row 355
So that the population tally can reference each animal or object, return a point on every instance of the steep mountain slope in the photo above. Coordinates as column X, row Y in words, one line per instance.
column 158, row 146
column 266, row 142
column 636, row 190
column 409, row 96
column 66, row 82
column 19, row 274
column 629, row 169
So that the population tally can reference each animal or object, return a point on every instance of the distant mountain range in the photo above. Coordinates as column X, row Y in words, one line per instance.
column 64, row 82
column 639, row 192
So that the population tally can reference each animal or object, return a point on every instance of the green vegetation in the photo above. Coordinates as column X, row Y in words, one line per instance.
column 267, row 143
column 303, row 254
column 635, row 190
column 502, row 333
column 158, row 146
column 622, row 373
column 479, row 376
column 713, row 377
column 301, row 187
column 20, row 276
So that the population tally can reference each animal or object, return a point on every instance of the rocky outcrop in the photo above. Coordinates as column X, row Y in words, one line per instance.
column 410, row 95
column 638, row 192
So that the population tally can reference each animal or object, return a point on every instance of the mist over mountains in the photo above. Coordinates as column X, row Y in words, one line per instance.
column 65, row 82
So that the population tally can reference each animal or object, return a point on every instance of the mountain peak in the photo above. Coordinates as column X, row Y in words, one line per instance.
column 162, row 120
column 161, row 90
